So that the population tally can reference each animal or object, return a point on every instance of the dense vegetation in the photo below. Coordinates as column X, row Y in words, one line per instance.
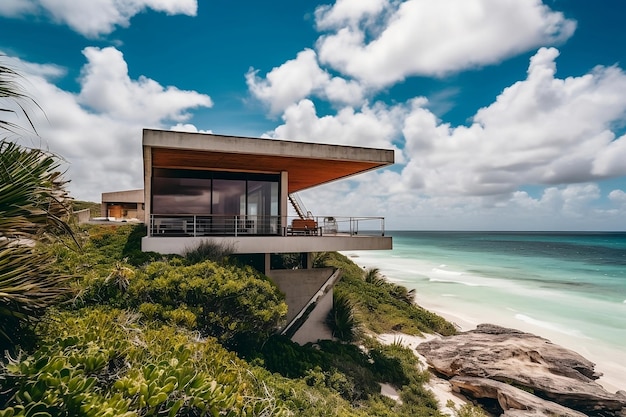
column 92, row 326
column 144, row 334
column 382, row 306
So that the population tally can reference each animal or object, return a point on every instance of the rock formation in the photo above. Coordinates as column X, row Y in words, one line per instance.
column 519, row 373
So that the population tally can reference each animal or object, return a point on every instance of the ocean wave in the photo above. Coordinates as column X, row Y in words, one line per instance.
column 446, row 272
column 551, row 326
column 453, row 281
column 438, row 274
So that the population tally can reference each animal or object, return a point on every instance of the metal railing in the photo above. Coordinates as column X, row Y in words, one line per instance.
column 212, row 225
column 187, row 225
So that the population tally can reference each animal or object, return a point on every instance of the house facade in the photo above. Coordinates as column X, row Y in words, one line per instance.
column 123, row 205
column 241, row 192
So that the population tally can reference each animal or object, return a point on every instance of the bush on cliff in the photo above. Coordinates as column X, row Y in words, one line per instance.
column 382, row 306
column 104, row 362
column 131, row 326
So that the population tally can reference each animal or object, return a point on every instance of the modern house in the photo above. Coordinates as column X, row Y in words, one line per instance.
column 236, row 191
column 123, row 205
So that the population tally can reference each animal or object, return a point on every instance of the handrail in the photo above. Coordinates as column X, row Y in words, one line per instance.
column 180, row 224
column 299, row 207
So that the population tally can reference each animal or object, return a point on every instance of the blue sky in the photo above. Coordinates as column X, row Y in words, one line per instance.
column 504, row 114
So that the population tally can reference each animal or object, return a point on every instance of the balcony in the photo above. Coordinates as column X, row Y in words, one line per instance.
column 173, row 233
column 185, row 225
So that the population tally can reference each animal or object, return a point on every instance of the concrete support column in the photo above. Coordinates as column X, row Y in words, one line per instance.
column 284, row 201
column 308, row 260
column 267, row 265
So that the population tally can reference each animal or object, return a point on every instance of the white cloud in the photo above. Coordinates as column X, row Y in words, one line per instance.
column 188, row 127
column 95, row 17
column 101, row 142
column 432, row 38
column 13, row 8
column 107, row 88
column 568, row 207
column 341, row 91
column 371, row 126
column 287, row 84
column 297, row 79
column 542, row 130
column 618, row 196
column 611, row 161
column 348, row 12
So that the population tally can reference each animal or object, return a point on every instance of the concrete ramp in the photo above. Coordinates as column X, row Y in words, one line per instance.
column 308, row 294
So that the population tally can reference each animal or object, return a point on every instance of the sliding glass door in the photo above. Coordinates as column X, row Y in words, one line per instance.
column 218, row 202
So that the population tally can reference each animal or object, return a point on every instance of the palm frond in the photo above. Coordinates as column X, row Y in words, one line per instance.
column 33, row 201
column 372, row 276
column 34, row 206
column 11, row 89
column 27, row 287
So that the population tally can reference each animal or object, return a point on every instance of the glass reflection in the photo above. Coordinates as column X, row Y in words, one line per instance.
column 222, row 202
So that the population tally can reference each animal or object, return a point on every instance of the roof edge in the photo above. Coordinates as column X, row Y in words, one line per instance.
column 263, row 146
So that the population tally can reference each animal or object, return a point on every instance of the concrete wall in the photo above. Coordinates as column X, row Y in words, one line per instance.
column 236, row 144
column 299, row 286
column 128, row 196
column 82, row 216
column 315, row 327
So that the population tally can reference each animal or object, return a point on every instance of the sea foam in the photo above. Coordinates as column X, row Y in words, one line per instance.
column 551, row 326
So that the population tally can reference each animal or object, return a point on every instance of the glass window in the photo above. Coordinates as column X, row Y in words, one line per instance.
column 228, row 196
column 181, row 195
column 249, row 201
column 263, row 206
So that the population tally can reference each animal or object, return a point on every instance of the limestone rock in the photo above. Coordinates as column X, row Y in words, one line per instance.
column 514, row 401
column 527, row 361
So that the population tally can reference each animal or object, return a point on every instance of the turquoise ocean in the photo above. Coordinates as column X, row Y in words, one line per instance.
column 567, row 287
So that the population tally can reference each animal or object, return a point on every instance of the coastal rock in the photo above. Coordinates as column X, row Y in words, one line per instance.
column 526, row 361
column 513, row 401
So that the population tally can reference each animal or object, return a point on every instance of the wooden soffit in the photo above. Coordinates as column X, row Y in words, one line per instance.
column 303, row 172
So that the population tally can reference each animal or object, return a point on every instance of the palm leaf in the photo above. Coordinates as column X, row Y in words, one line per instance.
column 10, row 89
column 27, row 287
column 33, row 207
column 33, row 202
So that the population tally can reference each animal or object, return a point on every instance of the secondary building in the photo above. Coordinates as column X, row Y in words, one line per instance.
column 123, row 205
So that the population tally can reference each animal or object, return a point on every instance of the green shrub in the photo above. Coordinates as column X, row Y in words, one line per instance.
column 382, row 306
column 239, row 306
column 104, row 363
column 209, row 250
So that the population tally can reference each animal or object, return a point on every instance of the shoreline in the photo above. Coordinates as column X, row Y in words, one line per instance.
column 612, row 375
column 606, row 359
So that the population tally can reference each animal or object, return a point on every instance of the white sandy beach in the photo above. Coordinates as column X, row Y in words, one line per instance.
column 609, row 361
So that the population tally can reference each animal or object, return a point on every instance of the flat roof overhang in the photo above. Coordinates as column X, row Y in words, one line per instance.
column 127, row 196
column 308, row 164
